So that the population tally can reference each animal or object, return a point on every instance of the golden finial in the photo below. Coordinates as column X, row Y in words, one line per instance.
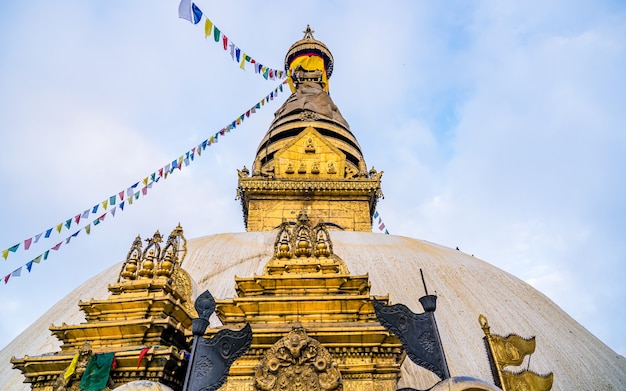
column 308, row 33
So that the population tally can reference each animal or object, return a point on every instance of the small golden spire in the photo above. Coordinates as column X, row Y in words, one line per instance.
column 308, row 33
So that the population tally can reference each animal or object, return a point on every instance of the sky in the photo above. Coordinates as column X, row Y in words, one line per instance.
column 499, row 127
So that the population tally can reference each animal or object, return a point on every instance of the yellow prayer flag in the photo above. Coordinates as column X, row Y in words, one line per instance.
column 59, row 227
column 72, row 368
column 243, row 62
column 105, row 204
column 145, row 181
column 88, row 229
column 5, row 254
column 208, row 27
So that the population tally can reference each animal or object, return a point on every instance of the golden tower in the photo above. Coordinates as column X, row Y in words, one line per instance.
column 309, row 160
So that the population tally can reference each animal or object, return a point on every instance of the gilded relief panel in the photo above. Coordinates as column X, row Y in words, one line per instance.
column 309, row 156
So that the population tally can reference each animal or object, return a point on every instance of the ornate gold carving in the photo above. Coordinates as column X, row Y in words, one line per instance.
column 308, row 115
column 302, row 168
column 315, row 168
column 300, row 248
column 310, row 147
column 331, row 169
column 154, row 261
column 297, row 363
column 289, row 169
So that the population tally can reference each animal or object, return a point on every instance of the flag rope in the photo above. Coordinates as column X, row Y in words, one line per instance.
column 380, row 224
column 126, row 197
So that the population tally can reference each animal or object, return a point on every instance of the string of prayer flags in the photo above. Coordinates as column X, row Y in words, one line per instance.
column 189, row 11
column 128, row 195
column 380, row 224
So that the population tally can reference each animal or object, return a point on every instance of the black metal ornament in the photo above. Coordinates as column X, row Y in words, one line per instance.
column 417, row 332
column 211, row 358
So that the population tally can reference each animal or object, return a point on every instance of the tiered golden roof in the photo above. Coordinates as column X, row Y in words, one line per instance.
column 150, row 307
column 306, row 286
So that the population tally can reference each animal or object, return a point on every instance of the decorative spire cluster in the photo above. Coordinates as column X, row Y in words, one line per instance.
column 154, row 261
column 302, row 240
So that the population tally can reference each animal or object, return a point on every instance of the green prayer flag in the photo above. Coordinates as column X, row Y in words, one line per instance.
column 96, row 375
column 216, row 33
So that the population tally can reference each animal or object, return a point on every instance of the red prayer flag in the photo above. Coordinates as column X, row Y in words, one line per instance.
column 77, row 218
column 141, row 354
column 6, row 278
column 58, row 245
column 27, row 243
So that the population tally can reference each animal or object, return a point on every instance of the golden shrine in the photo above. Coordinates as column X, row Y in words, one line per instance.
column 314, row 324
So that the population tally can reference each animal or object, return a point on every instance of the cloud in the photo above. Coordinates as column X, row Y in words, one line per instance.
column 498, row 127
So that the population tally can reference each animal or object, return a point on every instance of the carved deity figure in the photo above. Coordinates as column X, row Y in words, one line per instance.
column 297, row 363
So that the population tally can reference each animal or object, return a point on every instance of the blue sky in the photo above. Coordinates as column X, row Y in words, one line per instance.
column 499, row 127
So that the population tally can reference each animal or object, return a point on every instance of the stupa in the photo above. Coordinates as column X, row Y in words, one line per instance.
column 306, row 276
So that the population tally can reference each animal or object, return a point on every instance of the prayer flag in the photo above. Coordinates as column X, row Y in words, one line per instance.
column 141, row 356
column 72, row 367
column 45, row 254
column 95, row 208
column 37, row 237
column 88, row 229
column 144, row 190
column 112, row 200
column 113, row 211
column 121, row 194
column 68, row 223
column 381, row 227
column 184, row 10
column 84, row 215
column 145, row 181
column 186, row 160
column 216, row 34
column 59, row 227
column 29, row 266
column 17, row 272
column 208, row 27
column 197, row 14
column 57, row 246
column 122, row 205
column 137, row 195
column 97, row 372
column 27, row 243
column 6, row 278
column 14, row 248
column 37, row 259
column 48, row 232
column 77, row 218
column 105, row 204
column 5, row 254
